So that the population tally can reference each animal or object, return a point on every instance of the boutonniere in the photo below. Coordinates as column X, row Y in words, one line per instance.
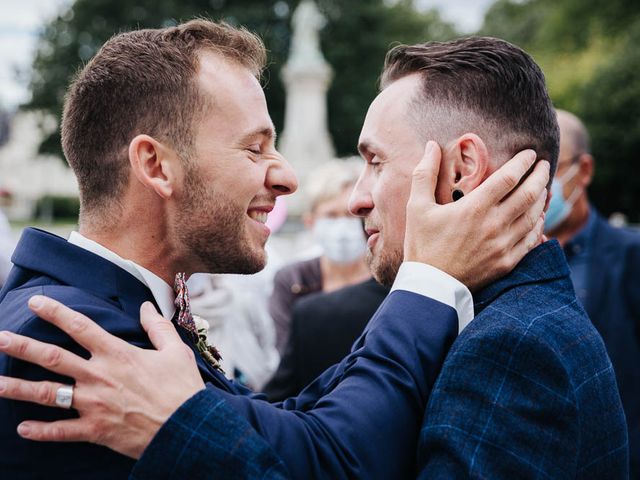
column 208, row 352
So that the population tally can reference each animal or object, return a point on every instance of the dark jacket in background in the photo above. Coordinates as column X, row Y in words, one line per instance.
column 612, row 301
column 291, row 283
column 323, row 329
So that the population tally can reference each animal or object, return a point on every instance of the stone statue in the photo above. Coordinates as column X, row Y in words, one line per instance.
column 305, row 141
column 307, row 23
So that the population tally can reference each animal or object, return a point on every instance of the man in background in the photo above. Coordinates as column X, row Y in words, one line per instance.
column 605, row 267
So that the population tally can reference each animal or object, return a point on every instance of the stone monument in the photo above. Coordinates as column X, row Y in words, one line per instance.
column 305, row 141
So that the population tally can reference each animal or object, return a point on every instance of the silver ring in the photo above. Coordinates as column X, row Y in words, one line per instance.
column 64, row 396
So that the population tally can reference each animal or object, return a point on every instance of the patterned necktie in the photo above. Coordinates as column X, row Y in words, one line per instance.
column 184, row 319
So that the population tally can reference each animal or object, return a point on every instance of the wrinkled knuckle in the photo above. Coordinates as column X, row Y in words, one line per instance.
column 57, row 433
column 531, row 197
column 53, row 309
column 21, row 346
column 44, row 393
column 509, row 181
column 52, row 357
column 78, row 323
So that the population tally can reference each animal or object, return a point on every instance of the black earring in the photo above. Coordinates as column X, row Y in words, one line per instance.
column 457, row 195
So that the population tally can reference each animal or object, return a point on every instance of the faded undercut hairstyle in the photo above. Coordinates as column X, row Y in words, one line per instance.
column 142, row 82
column 481, row 85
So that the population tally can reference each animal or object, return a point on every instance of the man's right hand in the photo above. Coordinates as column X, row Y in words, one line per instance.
column 485, row 234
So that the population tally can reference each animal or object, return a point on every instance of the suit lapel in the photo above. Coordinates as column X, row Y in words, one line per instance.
column 53, row 256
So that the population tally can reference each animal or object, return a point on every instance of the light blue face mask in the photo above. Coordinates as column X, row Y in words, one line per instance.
column 559, row 207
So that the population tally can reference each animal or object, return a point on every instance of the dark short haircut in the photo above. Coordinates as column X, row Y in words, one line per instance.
column 499, row 89
column 142, row 82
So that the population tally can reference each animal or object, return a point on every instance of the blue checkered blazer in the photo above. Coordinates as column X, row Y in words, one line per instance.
column 527, row 390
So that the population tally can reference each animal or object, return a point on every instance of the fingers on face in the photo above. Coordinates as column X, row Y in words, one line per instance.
column 50, row 357
column 425, row 175
column 530, row 196
column 505, row 179
column 79, row 327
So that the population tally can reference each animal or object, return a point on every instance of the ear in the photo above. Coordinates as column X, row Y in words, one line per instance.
column 466, row 165
column 586, row 169
column 155, row 165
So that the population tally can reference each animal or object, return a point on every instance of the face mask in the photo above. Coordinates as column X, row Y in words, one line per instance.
column 559, row 208
column 342, row 239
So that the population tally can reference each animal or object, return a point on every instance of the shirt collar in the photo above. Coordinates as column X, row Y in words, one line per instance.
column 161, row 290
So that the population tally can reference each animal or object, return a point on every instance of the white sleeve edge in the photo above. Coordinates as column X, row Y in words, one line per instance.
column 432, row 282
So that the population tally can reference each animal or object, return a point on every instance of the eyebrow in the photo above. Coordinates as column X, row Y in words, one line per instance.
column 367, row 147
column 268, row 132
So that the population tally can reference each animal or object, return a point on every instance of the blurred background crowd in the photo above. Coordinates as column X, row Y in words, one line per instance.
column 273, row 328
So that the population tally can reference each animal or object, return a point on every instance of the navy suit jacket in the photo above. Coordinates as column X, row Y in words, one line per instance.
column 613, row 304
column 527, row 390
column 48, row 265
column 359, row 419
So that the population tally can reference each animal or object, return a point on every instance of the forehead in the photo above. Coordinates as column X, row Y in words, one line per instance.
column 233, row 91
column 388, row 122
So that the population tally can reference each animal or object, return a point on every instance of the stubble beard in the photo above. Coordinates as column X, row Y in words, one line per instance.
column 212, row 228
column 385, row 265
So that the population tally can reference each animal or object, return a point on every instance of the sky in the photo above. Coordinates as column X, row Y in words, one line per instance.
column 21, row 21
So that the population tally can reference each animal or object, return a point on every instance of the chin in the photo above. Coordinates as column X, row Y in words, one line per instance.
column 384, row 267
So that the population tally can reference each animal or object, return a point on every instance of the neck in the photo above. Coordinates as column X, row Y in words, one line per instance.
column 574, row 223
column 149, row 249
column 339, row 275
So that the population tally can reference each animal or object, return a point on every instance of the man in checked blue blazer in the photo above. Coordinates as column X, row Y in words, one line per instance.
column 527, row 389
column 160, row 197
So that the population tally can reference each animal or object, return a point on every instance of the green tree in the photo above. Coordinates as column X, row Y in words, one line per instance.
column 588, row 51
column 357, row 35
column 609, row 104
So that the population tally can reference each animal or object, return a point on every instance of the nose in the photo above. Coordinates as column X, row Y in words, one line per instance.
column 360, row 201
column 281, row 178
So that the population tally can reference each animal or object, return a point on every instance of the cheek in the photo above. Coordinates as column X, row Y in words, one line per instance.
column 395, row 214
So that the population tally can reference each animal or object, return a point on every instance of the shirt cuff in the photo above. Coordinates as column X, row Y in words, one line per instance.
column 431, row 282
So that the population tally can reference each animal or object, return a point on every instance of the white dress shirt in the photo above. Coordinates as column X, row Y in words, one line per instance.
column 413, row 277
column 162, row 292
column 431, row 282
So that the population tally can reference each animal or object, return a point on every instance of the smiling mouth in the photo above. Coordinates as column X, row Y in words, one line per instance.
column 260, row 217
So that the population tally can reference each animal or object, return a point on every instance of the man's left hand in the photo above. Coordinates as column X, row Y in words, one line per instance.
column 123, row 393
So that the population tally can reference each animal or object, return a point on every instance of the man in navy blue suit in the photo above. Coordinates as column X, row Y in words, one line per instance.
column 169, row 136
column 605, row 268
column 527, row 389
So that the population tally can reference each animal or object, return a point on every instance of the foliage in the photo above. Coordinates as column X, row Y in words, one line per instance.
column 354, row 41
column 54, row 207
column 609, row 104
column 588, row 50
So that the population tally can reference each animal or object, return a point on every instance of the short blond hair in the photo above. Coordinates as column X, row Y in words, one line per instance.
column 330, row 179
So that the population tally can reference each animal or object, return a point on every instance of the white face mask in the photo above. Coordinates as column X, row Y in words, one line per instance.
column 559, row 207
column 342, row 239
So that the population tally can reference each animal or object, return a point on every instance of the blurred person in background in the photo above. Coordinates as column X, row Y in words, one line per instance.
column 324, row 326
column 605, row 267
column 6, row 247
column 340, row 236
